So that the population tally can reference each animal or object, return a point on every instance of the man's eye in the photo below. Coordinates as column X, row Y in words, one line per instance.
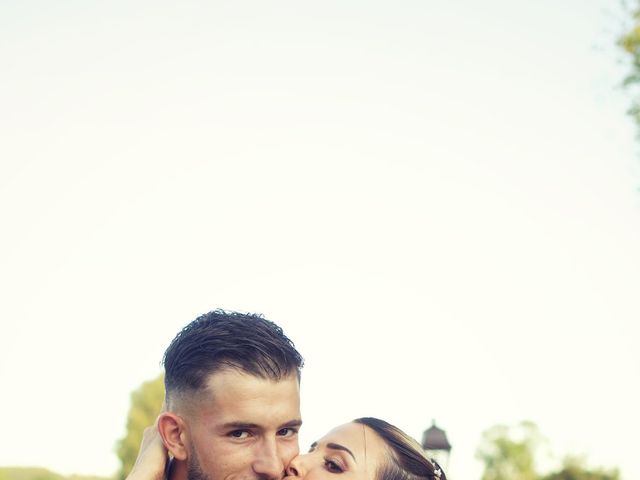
column 239, row 434
column 332, row 466
column 287, row 432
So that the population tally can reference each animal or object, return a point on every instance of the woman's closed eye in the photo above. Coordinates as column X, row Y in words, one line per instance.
column 333, row 466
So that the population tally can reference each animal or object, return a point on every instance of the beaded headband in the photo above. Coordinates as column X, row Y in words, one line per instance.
column 437, row 472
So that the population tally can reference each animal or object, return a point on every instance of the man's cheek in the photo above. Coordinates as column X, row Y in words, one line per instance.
column 289, row 452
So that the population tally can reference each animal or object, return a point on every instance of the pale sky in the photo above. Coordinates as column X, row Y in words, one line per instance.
column 438, row 201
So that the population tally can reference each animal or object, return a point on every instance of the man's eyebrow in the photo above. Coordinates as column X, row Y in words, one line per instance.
column 239, row 426
column 292, row 423
column 254, row 426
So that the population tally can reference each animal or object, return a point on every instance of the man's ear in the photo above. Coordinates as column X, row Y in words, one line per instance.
column 173, row 431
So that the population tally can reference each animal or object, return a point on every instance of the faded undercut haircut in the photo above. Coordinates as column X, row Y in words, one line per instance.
column 407, row 460
column 222, row 339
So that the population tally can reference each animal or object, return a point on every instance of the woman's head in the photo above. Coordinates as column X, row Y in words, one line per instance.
column 365, row 449
column 407, row 459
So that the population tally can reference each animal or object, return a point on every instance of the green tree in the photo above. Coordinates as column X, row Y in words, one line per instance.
column 573, row 469
column 508, row 452
column 630, row 42
column 146, row 402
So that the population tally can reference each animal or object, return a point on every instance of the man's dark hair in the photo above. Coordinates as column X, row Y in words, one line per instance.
column 222, row 339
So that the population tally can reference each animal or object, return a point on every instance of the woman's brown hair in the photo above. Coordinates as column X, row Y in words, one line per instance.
column 408, row 460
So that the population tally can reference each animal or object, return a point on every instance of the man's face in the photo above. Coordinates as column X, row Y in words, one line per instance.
column 244, row 427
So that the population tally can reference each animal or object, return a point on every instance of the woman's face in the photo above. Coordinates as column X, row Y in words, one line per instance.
column 349, row 452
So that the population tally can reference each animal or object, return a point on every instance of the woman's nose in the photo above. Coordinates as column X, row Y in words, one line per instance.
column 295, row 468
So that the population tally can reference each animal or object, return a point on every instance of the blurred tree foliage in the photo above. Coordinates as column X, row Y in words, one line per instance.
column 573, row 469
column 630, row 42
column 508, row 452
column 146, row 402
column 28, row 473
column 35, row 473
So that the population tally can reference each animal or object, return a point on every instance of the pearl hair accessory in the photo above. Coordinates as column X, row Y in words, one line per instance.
column 437, row 473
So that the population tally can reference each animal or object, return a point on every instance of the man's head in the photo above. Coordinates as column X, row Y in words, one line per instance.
column 233, row 404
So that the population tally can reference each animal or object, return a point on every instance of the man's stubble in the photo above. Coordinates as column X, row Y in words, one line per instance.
column 194, row 470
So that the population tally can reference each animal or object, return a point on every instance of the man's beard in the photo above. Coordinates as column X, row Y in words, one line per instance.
column 194, row 471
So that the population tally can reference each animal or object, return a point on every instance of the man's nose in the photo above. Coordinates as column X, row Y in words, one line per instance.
column 267, row 463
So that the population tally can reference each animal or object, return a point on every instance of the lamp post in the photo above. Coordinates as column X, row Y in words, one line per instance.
column 436, row 445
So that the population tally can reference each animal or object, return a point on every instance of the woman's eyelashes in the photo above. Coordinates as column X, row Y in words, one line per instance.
column 333, row 466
